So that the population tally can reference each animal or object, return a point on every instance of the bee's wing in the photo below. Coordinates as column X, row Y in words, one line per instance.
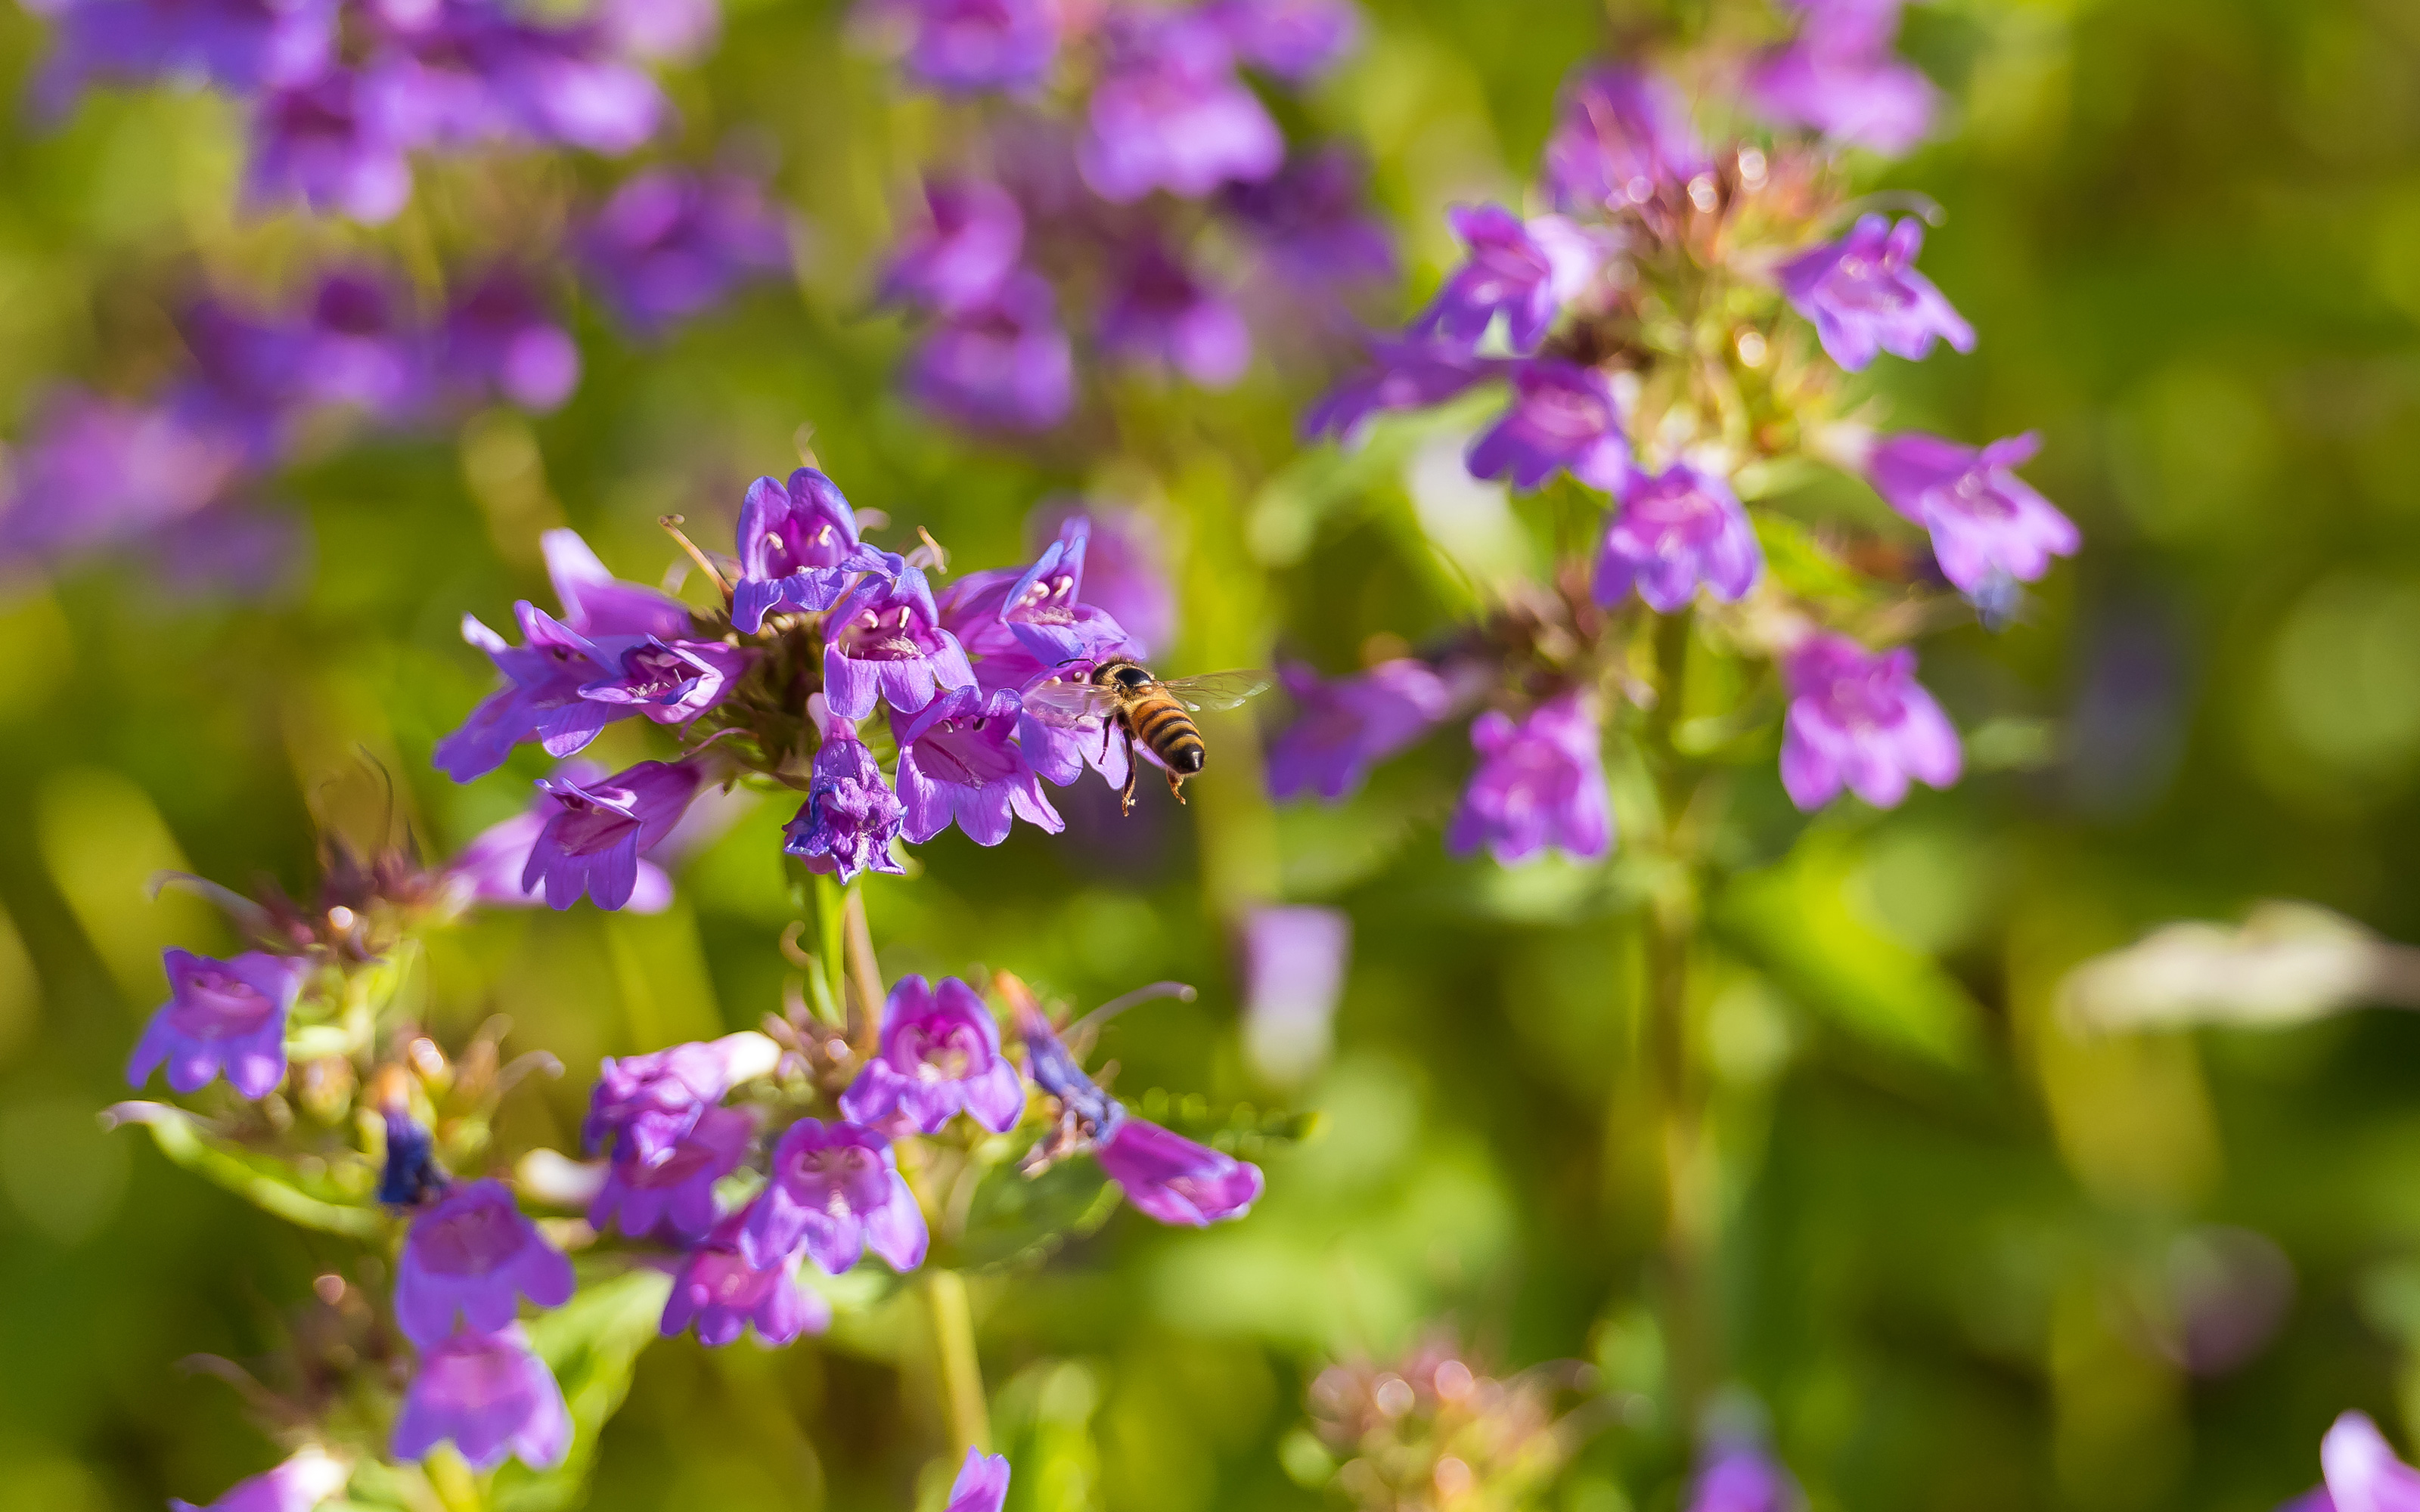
column 1070, row 703
column 1212, row 691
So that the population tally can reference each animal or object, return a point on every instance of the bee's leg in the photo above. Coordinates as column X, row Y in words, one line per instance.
column 1134, row 771
column 1177, row 785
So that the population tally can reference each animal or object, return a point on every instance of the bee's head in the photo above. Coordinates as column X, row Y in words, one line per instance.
column 1124, row 673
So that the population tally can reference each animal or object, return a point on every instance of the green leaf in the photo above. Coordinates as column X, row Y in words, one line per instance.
column 267, row 1184
column 1015, row 1217
column 591, row 1344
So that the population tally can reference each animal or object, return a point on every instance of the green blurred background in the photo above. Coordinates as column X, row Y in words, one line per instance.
column 1959, row 1239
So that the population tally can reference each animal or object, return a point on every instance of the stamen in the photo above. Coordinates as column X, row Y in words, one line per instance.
column 672, row 524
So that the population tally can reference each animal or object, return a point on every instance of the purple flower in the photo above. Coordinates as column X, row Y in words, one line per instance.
column 721, row 1293
column 886, row 645
column 1294, row 961
column 674, row 1195
column 1160, row 312
column 1864, row 294
column 1987, row 523
column 677, row 31
column 220, row 1016
column 1343, row 726
column 1005, row 363
column 1295, row 40
column 1125, row 567
column 1527, row 270
column 244, row 46
column 645, row 1106
column 1623, row 135
column 597, row 603
column 1311, row 222
column 489, row 1395
column 971, row 44
column 851, row 816
column 1540, row 783
column 1562, row 416
column 2362, row 1471
column 591, row 843
column 981, row 1485
column 1859, row 718
column 324, row 140
column 500, row 336
column 459, row 72
column 1169, row 113
column 409, row 1174
column 1045, row 611
column 797, row 548
column 967, row 248
column 671, row 682
column 1672, row 532
column 958, row 760
column 670, row 244
column 1868, row 98
column 299, row 1485
column 1739, row 1477
column 1175, row 1181
column 940, row 1053
column 360, row 349
column 473, row 1252
column 1407, row 375
column 95, row 471
column 833, row 1188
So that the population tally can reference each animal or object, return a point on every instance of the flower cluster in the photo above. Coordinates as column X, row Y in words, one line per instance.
column 1671, row 324
column 1154, row 187
column 1432, row 1431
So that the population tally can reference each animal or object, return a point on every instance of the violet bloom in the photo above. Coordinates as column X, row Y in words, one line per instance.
column 1158, row 312
column 597, row 603
column 362, row 348
column 959, row 760
column 93, row 473
column 971, row 44
column 475, row 1253
column 674, row 1195
column 1125, row 566
column 1003, row 364
column 886, row 645
column 671, row 682
column 670, row 244
column 299, row 1485
column 244, row 46
column 1044, row 609
column 1622, row 136
column 1860, row 719
column 1295, row 963
column 676, row 31
column 797, row 548
column 645, row 1105
column 220, row 1016
column 1867, row 99
column 323, row 140
column 409, row 1174
column 1739, row 1477
column 939, row 1055
column 833, row 1188
column 459, row 72
column 981, row 1485
column 1407, row 375
column 1311, row 222
column 591, row 843
column 719, row 1291
column 970, row 241
column 500, row 336
column 1529, row 271
column 489, row 1395
column 1987, row 523
column 1169, row 113
column 2362, row 1471
column 1865, row 296
column 1671, row 531
column 1563, row 416
column 851, row 816
column 1540, row 783
column 1295, row 40
column 1175, row 1181
column 1343, row 726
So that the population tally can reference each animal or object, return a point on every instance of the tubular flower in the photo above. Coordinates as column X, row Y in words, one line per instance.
column 591, row 844
column 491, row 1395
column 489, row 870
column 835, row 1189
column 1405, row 375
column 851, row 816
column 1540, row 783
column 720, row 1294
column 1564, row 418
column 940, row 1053
column 500, row 337
column 1295, row 40
column 1622, row 137
column 222, row 1017
column 1175, row 1181
column 959, row 761
column 1169, row 113
column 886, row 645
column 981, row 1485
column 1986, row 522
column 674, row 1195
column 1527, row 270
column 1005, row 363
column 970, row 241
column 670, row 244
column 1671, row 531
column 643, row 1107
column 1861, row 721
column 1162, row 313
column 2362, row 1471
column 473, row 1252
column 971, row 45
column 1345, row 725
column 797, row 548
column 1865, row 296
column 1740, row 1477
column 299, row 1485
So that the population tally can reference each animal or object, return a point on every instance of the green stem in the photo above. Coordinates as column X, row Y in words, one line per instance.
column 829, row 949
column 962, row 1387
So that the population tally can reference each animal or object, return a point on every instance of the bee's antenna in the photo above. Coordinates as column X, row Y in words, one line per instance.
column 672, row 524
column 1182, row 992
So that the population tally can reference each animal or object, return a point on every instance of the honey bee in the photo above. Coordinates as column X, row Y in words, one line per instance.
column 1125, row 699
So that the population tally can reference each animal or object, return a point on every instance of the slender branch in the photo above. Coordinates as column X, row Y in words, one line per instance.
column 953, row 1337
column 864, row 972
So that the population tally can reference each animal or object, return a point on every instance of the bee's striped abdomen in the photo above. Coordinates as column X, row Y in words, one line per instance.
column 1160, row 722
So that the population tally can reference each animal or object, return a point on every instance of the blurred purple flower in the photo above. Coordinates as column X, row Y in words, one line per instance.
column 1740, row 1477
column 645, row 1106
column 244, row 46
column 1407, row 375
column 1170, row 1178
column 1125, row 567
column 851, row 816
column 473, row 1251
column 674, row 1197
column 1527, row 271
column 1865, row 296
column 797, row 548
column 720, row 1294
column 1169, row 113
column 500, row 337
column 885, row 645
column 408, row 1175
column 968, row 246
column 1563, row 416
column 670, row 244
column 981, row 1485
column 1986, row 522
column 1868, row 99
column 489, row 1395
column 1005, row 363
column 298, row 1485
column 1294, row 961
column 461, row 72
column 1312, row 223
column 2363, row 1473
column 591, row 843
column 676, row 31
column 96, row 472
column 360, row 347
column 835, row 1189
column 939, row 1055
column 1295, row 40
column 1160, row 312
column 1860, row 719
column 1623, row 134
column 959, row 761
column 1540, row 783
column 1671, row 531
column 221, row 1017
column 489, row 870
column 1343, row 726
column 323, row 139
column 970, row 44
